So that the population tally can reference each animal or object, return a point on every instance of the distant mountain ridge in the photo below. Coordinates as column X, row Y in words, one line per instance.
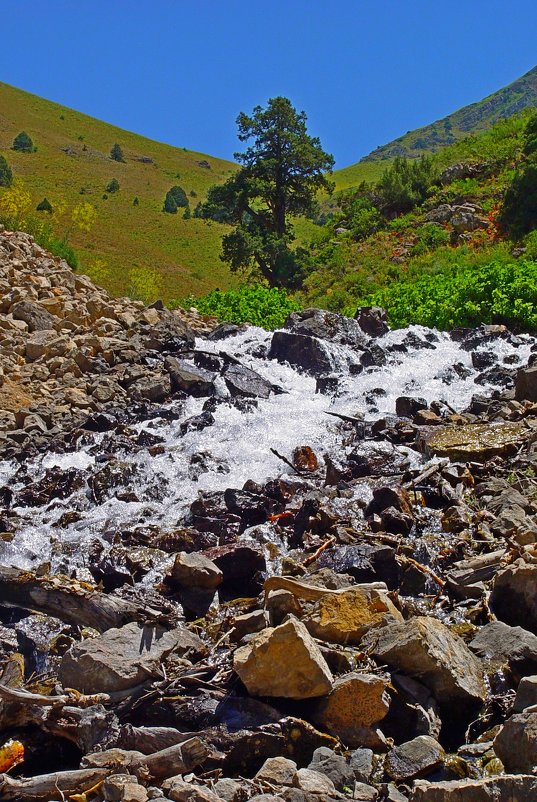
column 476, row 117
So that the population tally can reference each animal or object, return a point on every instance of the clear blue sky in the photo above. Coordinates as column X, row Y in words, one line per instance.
column 365, row 71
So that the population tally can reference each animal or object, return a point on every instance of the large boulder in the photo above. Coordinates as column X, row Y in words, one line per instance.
column 327, row 326
column 241, row 381
column 191, row 380
column 425, row 648
column 284, row 661
column 373, row 320
column 121, row 658
column 416, row 758
column 195, row 570
column 355, row 704
column 345, row 617
column 301, row 351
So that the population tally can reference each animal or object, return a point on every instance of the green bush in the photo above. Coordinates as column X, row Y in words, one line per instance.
column 44, row 206
column 113, row 186
column 170, row 205
column 116, row 153
column 6, row 176
column 429, row 237
column 23, row 143
column 405, row 184
column 492, row 293
column 261, row 306
column 179, row 196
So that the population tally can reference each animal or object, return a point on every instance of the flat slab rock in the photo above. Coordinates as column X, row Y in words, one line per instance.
column 121, row 658
column 507, row 788
column 424, row 647
column 283, row 661
column 473, row 443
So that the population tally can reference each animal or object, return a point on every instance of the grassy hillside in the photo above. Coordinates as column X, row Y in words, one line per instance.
column 72, row 164
column 472, row 119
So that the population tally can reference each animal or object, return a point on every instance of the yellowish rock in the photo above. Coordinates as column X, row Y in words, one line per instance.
column 346, row 617
column 476, row 442
column 283, row 661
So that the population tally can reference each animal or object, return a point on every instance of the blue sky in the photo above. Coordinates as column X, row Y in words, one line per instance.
column 365, row 71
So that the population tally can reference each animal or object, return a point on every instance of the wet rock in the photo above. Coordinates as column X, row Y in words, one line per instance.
column 407, row 406
column 427, row 649
column 284, row 661
column 195, row 570
column 241, row 381
column 413, row 710
column 193, row 381
column 499, row 643
column 516, row 742
column 327, row 762
column 305, row 459
column 327, row 326
column 356, row 703
column 121, row 658
column 492, row 789
column 476, row 443
column 277, row 771
column 386, row 496
column 396, row 522
column 514, row 596
column 364, row 562
column 196, row 423
column 251, row 507
column 416, row 758
column 372, row 320
column 300, row 351
column 347, row 616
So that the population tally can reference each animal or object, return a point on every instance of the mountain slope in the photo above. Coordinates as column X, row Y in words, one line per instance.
column 471, row 119
column 72, row 165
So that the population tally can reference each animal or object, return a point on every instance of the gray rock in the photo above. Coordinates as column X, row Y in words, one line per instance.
column 516, row 742
column 514, row 595
column 361, row 763
column 509, row 788
column 229, row 790
column 364, row 792
column 189, row 379
column 34, row 315
column 415, row 758
column 301, row 351
column 277, row 771
column 326, row 762
column 122, row 658
column 498, row 642
column 526, row 694
column 425, row 648
column 241, row 381
column 311, row 782
column 154, row 388
column 526, row 384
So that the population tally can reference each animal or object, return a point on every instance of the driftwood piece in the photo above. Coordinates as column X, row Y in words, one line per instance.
column 54, row 787
column 70, row 601
column 21, row 696
column 313, row 592
column 178, row 759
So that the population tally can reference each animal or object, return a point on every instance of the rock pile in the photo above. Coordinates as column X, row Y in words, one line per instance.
column 363, row 626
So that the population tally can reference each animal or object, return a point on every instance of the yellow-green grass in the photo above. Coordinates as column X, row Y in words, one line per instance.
column 182, row 256
column 353, row 175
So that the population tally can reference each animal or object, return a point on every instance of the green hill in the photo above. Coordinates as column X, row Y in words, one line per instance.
column 469, row 120
column 72, row 164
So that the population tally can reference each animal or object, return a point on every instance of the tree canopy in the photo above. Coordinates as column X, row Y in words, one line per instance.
column 116, row 153
column 23, row 142
column 282, row 170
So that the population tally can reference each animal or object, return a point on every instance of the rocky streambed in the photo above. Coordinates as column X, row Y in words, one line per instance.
column 237, row 564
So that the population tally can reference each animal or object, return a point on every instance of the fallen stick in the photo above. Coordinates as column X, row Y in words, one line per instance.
column 69, row 600
column 326, row 545
column 21, row 696
column 402, row 560
column 50, row 787
column 298, row 471
column 181, row 758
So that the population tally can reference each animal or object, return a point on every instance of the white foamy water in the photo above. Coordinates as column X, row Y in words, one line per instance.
column 238, row 445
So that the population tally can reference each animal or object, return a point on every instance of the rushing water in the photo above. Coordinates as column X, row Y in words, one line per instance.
column 238, row 445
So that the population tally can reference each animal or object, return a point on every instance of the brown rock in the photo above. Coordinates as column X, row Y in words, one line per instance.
column 284, row 661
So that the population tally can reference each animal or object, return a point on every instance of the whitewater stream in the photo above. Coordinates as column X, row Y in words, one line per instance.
column 162, row 483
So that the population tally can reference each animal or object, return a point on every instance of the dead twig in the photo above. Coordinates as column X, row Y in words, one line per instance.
column 298, row 471
column 326, row 545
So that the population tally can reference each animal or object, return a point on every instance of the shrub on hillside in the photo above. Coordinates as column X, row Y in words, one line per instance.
column 116, row 153
column 261, row 306
column 6, row 176
column 492, row 293
column 113, row 186
column 170, row 205
column 429, row 237
column 44, row 206
column 175, row 199
column 23, row 143
column 405, row 184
